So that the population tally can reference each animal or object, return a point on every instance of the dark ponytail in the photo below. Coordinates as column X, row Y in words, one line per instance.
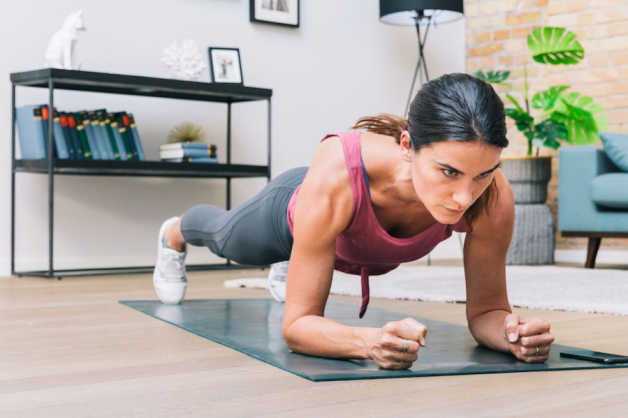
column 453, row 107
column 383, row 124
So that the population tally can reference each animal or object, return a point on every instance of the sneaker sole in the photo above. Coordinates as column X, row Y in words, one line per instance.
column 170, row 293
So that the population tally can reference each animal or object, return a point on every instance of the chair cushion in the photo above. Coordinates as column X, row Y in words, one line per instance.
column 610, row 190
column 616, row 147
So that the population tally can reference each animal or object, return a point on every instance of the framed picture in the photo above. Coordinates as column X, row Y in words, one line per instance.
column 276, row 12
column 225, row 65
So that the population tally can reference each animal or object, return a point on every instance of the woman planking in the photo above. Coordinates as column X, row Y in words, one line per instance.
column 386, row 192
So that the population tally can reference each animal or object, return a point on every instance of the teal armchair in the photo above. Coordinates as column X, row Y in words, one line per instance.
column 592, row 197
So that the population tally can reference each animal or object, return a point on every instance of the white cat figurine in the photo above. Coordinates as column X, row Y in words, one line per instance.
column 60, row 52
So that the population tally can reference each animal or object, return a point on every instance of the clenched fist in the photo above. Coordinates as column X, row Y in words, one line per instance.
column 397, row 344
column 529, row 339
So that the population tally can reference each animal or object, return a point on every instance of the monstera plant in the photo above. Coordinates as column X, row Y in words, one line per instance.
column 550, row 118
column 561, row 114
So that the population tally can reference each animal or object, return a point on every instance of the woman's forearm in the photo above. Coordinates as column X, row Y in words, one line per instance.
column 323, row 337
column 488, row 330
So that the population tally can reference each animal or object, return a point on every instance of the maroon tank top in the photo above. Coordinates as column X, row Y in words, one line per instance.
column 365, row 247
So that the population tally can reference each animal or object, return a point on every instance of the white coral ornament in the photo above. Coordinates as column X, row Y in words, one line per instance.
column 184, row 61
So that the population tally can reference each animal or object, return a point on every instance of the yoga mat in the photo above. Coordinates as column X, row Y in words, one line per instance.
column 253, row 327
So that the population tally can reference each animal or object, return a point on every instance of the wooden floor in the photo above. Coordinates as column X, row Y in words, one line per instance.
column 68, row 349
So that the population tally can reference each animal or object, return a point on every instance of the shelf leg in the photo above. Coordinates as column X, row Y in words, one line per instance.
column 268, row 136
column 228, row 153
column 228, row 198
column 50, row 178
column 12, row 178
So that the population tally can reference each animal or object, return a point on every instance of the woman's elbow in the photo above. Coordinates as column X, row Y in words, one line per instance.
column 288, row 333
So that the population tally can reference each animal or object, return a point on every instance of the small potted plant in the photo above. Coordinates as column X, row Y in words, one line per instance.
column 559, row 116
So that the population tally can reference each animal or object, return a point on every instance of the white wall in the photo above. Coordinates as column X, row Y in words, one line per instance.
column 339, row 65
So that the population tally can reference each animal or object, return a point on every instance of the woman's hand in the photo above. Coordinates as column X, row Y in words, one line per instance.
column 529, row 338
column 397, row 344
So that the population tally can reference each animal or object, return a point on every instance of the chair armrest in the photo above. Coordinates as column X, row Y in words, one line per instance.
column 577, row 167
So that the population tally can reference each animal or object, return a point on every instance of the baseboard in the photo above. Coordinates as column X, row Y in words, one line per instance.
column 447, row 250
column 61, row 263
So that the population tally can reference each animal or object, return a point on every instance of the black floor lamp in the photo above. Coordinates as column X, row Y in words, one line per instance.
column 419, row 13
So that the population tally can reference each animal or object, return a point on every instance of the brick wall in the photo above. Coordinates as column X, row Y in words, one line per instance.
column 496, row 39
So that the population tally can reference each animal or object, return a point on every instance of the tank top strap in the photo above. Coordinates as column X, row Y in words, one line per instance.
column 351, row 148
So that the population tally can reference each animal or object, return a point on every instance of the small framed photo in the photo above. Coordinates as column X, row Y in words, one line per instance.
column 276, row 12
column 225, row 65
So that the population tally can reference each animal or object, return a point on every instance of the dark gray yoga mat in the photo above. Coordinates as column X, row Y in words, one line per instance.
column 253, row 327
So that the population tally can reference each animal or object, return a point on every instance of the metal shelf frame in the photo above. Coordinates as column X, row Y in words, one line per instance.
column 60, row 79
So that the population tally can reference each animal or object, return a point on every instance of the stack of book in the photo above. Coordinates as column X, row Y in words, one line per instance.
column 84, row 135
column 189, row 152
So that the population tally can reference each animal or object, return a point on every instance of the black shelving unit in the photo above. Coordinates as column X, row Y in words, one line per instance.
column 60, row 79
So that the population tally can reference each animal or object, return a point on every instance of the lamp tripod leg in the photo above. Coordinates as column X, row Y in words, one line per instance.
column 421, row 65
column 416, row 71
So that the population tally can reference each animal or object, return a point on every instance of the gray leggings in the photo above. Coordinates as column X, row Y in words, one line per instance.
column 255, row 232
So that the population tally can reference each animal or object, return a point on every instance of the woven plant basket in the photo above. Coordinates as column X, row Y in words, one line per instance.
column 533, row 236
column 528, row 178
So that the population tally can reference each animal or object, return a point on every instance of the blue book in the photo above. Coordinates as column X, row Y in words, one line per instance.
column 74, row 133
column 76, row 152
column 115, row 129
column 185, row 153
column 100, row 117
column 100, row 136
column 93, row 128
column 43, row 113
column 30, row 132
column 106, row 123
column 136, row 138
column 103, row 139
column 91, row 137
column 69, row 139
column 61, row 145
column 184, row 145
column 127, row 136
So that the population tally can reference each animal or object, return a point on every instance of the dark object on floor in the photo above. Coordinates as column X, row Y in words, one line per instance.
column 253, row 327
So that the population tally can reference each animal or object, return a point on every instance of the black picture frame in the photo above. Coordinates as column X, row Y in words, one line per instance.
column 213, row 76
column 256, row 18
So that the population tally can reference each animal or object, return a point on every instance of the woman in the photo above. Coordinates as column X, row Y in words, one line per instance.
column 368, row 202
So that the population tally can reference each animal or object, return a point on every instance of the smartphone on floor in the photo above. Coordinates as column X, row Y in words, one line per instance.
column 598, row 356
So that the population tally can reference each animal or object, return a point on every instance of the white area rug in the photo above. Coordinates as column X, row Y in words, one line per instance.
column 540, row 287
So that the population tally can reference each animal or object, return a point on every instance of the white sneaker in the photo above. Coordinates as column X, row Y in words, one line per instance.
column 169, row 277
column 277, row 280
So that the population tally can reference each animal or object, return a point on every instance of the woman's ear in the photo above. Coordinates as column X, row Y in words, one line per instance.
column 405, row 146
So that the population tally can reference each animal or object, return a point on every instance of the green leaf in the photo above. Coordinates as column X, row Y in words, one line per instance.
column 548, row 133
column 551, row 45
column 583, row 118
column 492, row 76
column 515, row 102
column 546, row 99
column 523, row 121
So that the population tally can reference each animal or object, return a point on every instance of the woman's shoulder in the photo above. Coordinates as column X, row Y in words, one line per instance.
column 328, row 172
column 326, row 188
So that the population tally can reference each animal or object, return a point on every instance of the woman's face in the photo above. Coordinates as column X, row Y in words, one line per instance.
column 448, row 177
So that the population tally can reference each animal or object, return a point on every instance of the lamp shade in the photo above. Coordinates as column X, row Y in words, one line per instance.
column 405, row 12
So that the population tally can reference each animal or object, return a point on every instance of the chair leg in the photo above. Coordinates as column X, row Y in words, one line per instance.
column 592, row 249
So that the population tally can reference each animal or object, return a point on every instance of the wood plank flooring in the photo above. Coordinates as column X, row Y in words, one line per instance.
column 69, row 349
